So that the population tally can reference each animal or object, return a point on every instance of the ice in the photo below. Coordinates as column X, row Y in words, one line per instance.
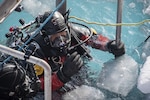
column 144, row 78
column 146, row 9
column 84, row 93
column 132, row 5
column 145, row 50
column 119, row 75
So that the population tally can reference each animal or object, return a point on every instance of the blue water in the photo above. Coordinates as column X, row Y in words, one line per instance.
column 12, row 20
column 1, row 1
column 103, row 11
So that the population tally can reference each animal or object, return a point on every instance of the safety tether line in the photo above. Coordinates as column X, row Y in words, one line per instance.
column 111, row 24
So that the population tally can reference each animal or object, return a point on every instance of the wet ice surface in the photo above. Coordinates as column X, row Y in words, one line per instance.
column 145, row 50
column 119, row 75
column 144, row 79
column 84, row 93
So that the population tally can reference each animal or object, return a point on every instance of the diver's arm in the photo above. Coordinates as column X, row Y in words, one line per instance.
column 95, row 40
column 101, row 42
column 98, row 42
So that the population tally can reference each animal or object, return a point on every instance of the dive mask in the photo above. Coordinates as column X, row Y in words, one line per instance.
column 60, row 40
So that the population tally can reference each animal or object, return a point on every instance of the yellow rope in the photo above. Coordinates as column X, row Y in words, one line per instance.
column 110, row 24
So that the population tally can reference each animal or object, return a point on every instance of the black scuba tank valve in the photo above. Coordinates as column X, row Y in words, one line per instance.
column 22, row 22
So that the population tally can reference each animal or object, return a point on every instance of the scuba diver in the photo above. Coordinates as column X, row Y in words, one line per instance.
column 63, row 44
column 16, row 81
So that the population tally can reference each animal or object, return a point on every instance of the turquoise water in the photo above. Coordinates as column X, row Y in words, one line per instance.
column 103, row 11
column 12, row 20
column 1, row 1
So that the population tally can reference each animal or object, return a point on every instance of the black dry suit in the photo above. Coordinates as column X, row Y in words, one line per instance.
column 48, row 53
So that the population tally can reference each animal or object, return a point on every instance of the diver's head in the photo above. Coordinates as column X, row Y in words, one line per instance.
column 56, row 23
column 57, row 31
column 12, row 76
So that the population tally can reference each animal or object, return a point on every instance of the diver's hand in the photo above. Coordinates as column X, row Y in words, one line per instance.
column 117, row 51
column 71, row 66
